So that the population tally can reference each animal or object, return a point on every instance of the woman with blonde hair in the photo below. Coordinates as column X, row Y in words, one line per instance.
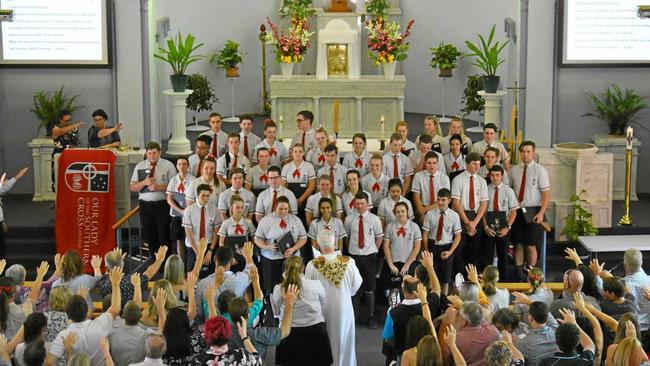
column 432, row 128
column 161, row 300
column 626, row 349
column 499, row 298
column 57, row 318
column 456, row 127
column 308, row 342
column 402, row 127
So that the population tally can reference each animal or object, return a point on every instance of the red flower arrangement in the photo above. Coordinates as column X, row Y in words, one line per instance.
column 292, row 47
column 387, row 44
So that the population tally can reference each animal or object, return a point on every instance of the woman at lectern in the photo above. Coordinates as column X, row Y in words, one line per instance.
column 65, row 134
column 100, row 136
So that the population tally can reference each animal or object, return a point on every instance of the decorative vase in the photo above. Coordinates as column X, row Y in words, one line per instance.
column 179, row 82
column 446, row 73
column 232, row 72
column 491, row 83
column 287, row 69
column 389, row 70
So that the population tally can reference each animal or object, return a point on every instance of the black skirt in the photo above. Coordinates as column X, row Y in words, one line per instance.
column 305, row 346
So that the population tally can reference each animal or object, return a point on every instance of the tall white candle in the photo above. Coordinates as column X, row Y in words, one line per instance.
column 381, row 123
column 280, row 127
column 630, row 137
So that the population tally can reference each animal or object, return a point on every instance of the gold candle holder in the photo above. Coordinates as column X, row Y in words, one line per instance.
column 627, row 219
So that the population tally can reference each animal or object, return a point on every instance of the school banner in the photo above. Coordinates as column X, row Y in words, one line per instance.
column 85, row 203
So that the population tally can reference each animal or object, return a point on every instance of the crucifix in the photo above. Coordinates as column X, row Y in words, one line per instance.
column 514, row 137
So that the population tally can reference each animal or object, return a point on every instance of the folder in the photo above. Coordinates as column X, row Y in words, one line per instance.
column 496, row 219
column 285, row 242
column 179, row 198
column 142, row 175
column 235, row 243
column 530, row 212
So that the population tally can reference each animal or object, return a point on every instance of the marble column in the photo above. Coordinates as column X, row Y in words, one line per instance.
column 178, row 144
column 493, row 107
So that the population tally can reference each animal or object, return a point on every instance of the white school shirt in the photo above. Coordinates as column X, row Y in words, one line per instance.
column 360, row 163
column 450, row 160
column 387, row 205
column 450, row 221
column 316, row 157
column 222, row 141
column 309, row 139
column 371, row 230
column 348, row 202
column 421, row 185
column 9, row 184
column 417, row 161
column 277, row 152
column 264, row 203
column 484, row 172
column 404, row 167
column 339, row 177
column 269, row 230
column 192, row 219
column 216, row 186
column 439, row 142
column 536, row 182
column 249, row 200
column 312, row 204
column 378, row 187
column 194, row 162
column 305, row 172
column 481, row 146
column 460, row 190
column 507, row 199
column 258, row 177
column 172, row 188
column 165, row 170
column 401, row 240
column 335, row 225
column 408, row 146
column 228, row 227
column 88, row 333
column 465, row 138
column 242, row 162
column 253, row 140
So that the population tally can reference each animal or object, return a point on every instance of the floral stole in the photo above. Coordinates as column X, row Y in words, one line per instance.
column 333, row 271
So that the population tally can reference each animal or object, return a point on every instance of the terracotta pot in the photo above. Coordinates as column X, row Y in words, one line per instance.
column 232, row 72
column 446, row 73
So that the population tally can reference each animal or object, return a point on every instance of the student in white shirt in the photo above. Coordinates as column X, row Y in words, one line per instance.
column 316, row 156
column 455, row 159
column 432, row 128
column 299, row 176
column 417, row 157
column 441, row 233
column 236, row 225
column 305, row 134
column 376, row 182
column 359, row 157
column 398, row 165
column 201, row 151
column 456, row 128
column 257, row 179
column 237, row 189
column 219, row 138
column 277, row 151
column 231, row 159
column 490, row 138
column 200, row 221
column 423, row 196
column 353, row 179
column 208, row 177
column 491, row 158
column 469, row 199
column 248, row 139
column 176, row 201
column 326, row 221
column 387, row 205
column 335, row 170
column 324, row 191
column 402, row 128
column 502, row 198
column 534, row 192
column 268, row 199
column 402, row 242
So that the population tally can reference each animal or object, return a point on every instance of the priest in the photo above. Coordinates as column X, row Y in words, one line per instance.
column 341, row 279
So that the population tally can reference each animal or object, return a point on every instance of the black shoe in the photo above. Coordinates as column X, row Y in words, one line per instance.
column 372, row 323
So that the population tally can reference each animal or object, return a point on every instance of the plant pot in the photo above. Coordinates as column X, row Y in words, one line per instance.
column 179, row 82
column 446, row 73
column 491, row 83
column 389, row 70
column 232, row 72
column 287, row 69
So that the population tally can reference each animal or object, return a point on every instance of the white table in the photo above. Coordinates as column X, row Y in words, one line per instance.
column 614, row 243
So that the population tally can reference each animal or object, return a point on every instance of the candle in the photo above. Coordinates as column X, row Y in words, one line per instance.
column 630, row 137
column 281, row 125
column 381, row 124
column 335, row 124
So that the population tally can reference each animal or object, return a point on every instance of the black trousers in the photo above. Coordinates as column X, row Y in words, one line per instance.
column 500, row 244
column 154, row 220
column 473, row 250
column 3, row 250
column 367, row 265
column 271, row 273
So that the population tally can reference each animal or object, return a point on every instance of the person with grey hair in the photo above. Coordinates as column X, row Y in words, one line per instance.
column 18, row 273
column 475, row 334
column 155, row 348
column 341, row 279
column 636, row 280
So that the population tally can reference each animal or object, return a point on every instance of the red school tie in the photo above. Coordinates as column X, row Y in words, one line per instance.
column 214, row 150
column 352, row 203
column 441, row 223
column 395, row 167
column 296, row 173
column 472, row 204
column 454, row 166
column 362, row 237
column 202, row 224
column 321, row 159
column 152, row 171
column 283, row 224
column 199, row 168
column 264, row 178
column 432, row 190
column 376, row 187
column 181, row 188
column 275, row 200
column 358, row 164
column 246, row 146
column 401, row 231
column 496, row 199
column 332, row 177
column 239, row 230
column 522, row 186
column 234, row 162
column 303, row 139
column 273, row 152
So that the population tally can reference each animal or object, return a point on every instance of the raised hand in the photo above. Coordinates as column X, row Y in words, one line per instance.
column 572, row 255
column 69, row 341
column 159, row 300
column 450, row 335
column 3, row 179
column 219, row 276
column 116, row 276
column 596, row 268
column 104, row 346
column 455, row 301
column 161, row 253
column 254, row 274
column 3, row 264
column 568, row 317
column 506, row 336
column 241, row 328
column 58, row 258
column 96, row 261
column 211, row 292
column 630, row 329
column 521, row 298
column 646, row 292
column 580, row 302
column 190, row 282
column 472, row 274
column 136, row 280
column 290, row 295
column 427, row 259
column 28, row 307
column 42, row 270
column 247, row 252
column 422, row 293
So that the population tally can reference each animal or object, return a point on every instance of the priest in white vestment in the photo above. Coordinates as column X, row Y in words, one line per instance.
column 341, row 279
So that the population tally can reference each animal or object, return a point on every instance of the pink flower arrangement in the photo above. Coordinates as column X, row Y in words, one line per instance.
column 387, row 44
column 292, row 47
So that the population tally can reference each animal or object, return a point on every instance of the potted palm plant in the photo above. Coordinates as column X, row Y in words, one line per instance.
column 179, row 55
column 618, row 109
column 487, row 58
column 444, row 58
column 48, row 105
column 228, row 58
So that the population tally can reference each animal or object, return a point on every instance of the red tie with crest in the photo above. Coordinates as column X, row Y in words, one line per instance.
column 472, row 204
column 202, row 224
column 441, row 223
column 303, row 140
column 199, row 168
column 432, row 190
column 246, row 146
column 395, row 167
column 401, row 231
column 362, row 237
column 275, row 200
column 496, row 199
column 239, row 230
column 283, row 224
column 522, row 187
column 358, row 163
column 181, row 188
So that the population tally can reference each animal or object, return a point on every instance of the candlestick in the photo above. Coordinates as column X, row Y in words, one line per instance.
column 280, row 127
column 335, row 122
column 381, row 123
column 630, row 137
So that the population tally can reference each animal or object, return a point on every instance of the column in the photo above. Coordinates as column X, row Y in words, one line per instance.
column 400, row 108
column 360, row 112
column 493, row 107
column 274, row 109
column 178, row 144
column 316, row 111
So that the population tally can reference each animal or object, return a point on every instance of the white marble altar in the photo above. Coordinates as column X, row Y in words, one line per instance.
column 570, row 171
column 616, row 145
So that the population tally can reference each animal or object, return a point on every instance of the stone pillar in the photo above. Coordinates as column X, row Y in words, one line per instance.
column 178, row 144
column 42, row 156
column 493, row 107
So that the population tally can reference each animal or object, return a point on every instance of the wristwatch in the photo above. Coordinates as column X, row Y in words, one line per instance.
column 509, row 227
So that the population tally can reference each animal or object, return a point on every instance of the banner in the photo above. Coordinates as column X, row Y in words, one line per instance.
column 85, row 203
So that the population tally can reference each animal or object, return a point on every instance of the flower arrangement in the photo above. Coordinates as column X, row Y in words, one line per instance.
column 387, row 44
column 289, row 47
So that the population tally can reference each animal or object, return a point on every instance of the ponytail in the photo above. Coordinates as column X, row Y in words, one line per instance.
column 293, row 268
column 7, row 291
column 535, row 278
column 490, row 279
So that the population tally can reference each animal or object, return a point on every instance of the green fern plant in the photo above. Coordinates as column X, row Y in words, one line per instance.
column 48, row 105
column 617, row 109
column 487, row 53
column 579, row 222
column 180, row 53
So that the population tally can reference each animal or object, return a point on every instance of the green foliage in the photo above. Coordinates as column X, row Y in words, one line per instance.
column 48, row 105
column 378, row 8
column 180, row 53
column 617, row 109
column 203, row 96
column 580, row 221
column 445, row 56
column 229, row 56
column 471, row 99
column 487, row 54
column 296, row 9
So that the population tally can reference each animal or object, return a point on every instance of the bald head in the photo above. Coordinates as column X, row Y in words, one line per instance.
column 575, row 280
column 326, row 241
